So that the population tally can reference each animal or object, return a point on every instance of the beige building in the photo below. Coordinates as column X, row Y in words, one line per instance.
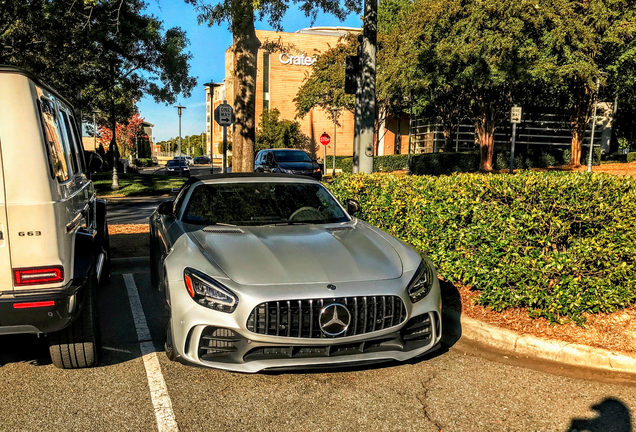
column 279, row 76
column 214, row 96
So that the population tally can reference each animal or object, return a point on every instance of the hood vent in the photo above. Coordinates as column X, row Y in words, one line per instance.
column 341, row 228
column 223, row 230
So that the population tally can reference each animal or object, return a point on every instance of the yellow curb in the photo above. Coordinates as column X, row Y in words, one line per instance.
column 549, row 349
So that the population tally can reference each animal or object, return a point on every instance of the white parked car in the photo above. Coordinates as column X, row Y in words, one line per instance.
column 53, row 231
column 187, row 159
column 265, row 271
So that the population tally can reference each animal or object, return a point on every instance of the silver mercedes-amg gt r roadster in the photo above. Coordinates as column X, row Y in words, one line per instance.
column 269, row 271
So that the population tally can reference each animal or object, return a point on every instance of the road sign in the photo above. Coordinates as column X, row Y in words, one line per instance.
column 515, row 115
column 224, row 115
column 325, row 139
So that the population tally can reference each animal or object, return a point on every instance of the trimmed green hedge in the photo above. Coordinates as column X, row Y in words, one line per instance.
column 451, row 162
column 144, row 162
column 557, row 243
column 380, row 163
column 444, row 163
column 614, row 158
column 631, row 157
column 543, row 158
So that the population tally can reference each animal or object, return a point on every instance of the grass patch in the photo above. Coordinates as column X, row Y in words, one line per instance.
column 136, row 184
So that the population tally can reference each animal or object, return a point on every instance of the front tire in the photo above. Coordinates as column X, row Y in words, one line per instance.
column 78, row 346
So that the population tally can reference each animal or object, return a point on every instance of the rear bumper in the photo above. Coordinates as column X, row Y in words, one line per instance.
column 44, row 319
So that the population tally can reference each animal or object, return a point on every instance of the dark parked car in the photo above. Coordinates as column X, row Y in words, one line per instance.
column 287, row 161
column 201, row 160
column 177, row 167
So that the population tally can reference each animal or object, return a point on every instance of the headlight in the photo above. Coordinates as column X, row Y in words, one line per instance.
column 421, row 284
column 317, row 170
column 208, row 292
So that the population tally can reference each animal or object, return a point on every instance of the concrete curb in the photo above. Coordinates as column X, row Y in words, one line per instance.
column 543, row 348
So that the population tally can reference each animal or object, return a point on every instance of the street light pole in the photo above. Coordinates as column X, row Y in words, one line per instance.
column 180, row 109
column 589, row 156
column 94, row 131
column 113, row 140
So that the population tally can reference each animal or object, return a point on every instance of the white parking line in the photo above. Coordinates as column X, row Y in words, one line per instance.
column 158, row 390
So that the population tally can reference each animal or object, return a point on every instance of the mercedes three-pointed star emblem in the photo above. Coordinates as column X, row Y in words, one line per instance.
column 334, row 319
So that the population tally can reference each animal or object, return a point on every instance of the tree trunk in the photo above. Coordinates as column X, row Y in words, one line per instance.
column 486, row 146
column 579, row 121
column 244, row 84
column 398, row 135
column 485, row 127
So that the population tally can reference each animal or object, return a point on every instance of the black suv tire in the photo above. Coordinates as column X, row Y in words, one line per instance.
column 78, row 346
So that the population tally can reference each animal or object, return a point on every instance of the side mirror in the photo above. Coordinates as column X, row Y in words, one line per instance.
column 353, row 206
column 95, row 162
column 166, row 208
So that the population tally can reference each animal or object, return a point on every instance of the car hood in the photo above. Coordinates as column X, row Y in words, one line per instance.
column 299, row 253
column 298, row 165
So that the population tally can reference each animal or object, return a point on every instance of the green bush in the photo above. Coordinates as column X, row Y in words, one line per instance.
column 631, row 157
column 614, row 158
column 390, row 163
column 345, row 163
column 380, row 163
column 560, row 244
column 444, row 163
column 144, row 162
column 542, row 158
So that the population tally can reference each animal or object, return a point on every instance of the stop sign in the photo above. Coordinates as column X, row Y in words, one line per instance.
column 325, row 139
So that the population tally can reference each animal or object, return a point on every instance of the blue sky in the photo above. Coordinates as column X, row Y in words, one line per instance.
column 207, row 45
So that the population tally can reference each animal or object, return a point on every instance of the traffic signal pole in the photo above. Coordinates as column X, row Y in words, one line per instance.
column 365, row 105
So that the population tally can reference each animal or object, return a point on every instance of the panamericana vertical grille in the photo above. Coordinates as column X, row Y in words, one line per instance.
column 300, row 318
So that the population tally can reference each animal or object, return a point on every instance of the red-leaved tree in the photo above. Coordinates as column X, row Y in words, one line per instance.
column 125, row 135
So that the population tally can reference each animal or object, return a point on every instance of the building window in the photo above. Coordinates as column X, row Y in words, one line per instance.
column 265, row 81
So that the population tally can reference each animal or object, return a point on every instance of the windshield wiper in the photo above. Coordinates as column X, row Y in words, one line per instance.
column 289, row 222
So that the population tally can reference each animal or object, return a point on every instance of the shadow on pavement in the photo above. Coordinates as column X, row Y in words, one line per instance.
column 130, row 245
column 451, row 313
column 613, row 416
column 24, row 349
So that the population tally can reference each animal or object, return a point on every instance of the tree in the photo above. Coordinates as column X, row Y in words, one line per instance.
column 324, row 87
column 583, row 40
column 275, row 132
column 477, row 54
column 127, row 136
column 70, row 44
column 390, row 13
column 240, row 15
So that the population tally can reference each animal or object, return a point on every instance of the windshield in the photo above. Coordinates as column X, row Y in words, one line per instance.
column 175, row 163
column 291, row 156
column 251, row 204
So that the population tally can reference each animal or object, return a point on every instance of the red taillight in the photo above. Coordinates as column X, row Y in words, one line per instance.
column 33, row 305
column 38, row 275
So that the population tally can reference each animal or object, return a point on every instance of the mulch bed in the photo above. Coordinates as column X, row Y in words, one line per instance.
column 130, row 240
column 614, row 331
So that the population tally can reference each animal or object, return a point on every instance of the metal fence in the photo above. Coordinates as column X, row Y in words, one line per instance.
column 534, row 130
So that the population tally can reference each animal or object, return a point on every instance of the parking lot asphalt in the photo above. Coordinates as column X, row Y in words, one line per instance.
column 459, row 388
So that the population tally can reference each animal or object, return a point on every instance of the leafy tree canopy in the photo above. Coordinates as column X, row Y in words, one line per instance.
column 71, row 43
column 324, row 88
column 275, row 132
